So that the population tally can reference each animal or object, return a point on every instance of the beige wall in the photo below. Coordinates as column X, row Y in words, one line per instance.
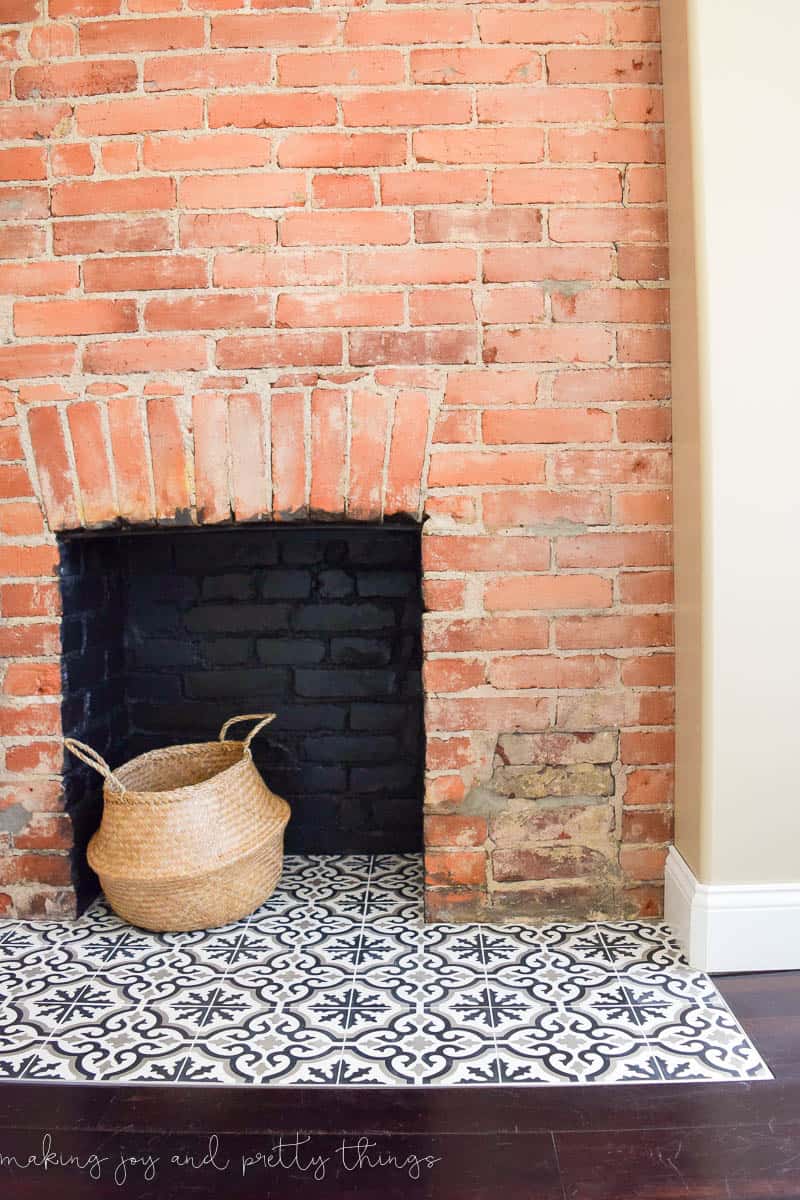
column 733, row 114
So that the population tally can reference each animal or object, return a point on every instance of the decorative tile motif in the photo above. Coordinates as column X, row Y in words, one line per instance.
column 336, row 981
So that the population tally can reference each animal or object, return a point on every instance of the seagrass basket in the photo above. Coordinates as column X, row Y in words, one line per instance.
column 191, row 836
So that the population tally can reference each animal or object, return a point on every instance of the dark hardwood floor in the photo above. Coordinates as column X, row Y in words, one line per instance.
column 732, row 1141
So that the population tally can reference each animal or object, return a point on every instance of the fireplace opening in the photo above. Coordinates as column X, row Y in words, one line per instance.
column 166, row 634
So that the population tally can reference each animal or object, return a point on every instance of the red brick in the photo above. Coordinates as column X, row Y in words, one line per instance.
column 612, row 384
column 283, row 348
column 170, row 468
column 419, row 346
column 129, row 452
column 444, row 793
column 91, row 462
column 486, row 387
column 452, row 753
column 328, row 450
column 453, row 468
column 643, row 345
column 33, row 600
column 83, row 8
column 274, row 29
column 608, row 225
column 71, row 317
column 108, row 237
column 526, row 592
column 395, row 28
column 23, row 203
column 288, row 466
column 23, row 162
column 444, row 552
column 433, row 187
column 248, row 456
column 642, row 262
column 52, row 41
column 412, row 107
column 455, row 867
column 343, row 191
column 612, row 466
column 38, row 279
column 31, row 720
column 120, row 158
column 22, row 241
column 646, row 587
column 140, row 114
column 342, row 150
column 647, row 747
column 112, row 195
column 490, row 713
column 488, row 64
column 441, row 306
column 455, row 506
column 24, row 121
column 556, row 185
column 547, row 425
column 638, row 24
column 649, row 306
column 604, row 66
column 649, row 787
column 648, row 629
column 454, row 830
column 589, row 344
column 95, row 78
column 497, row 145
column 206, row 151
column 635, row 104
column 363, row 308
column 442, row 675
column 443, row 595
column 614, row 550
column 143, row 273
column 53, row 467
column 656, row 708
column 210, row 429
column 649, row 670
column 46, row 831
column 351, row 68
column 478, row 225
column 55, row 869
column 36, row 361
column 208, row 71
column 407, row 454
column 455, row 635
column 457, row 425
column 545, row 28
column 32, row 679
column 141, row 33
column 274, row 268
column 261, row 110
column 145, row 354
column 520, row 106
column 20, row 518
column 644, row 424
column 208, row 311
column 414, row 265
column 76, row 158
column 549, row 671
column 14, row 482
column 226, row 229
column 34, row 757
column 513, row 265
column 370, row 428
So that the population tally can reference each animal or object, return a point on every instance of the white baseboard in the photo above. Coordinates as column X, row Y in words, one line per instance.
column 730, row 926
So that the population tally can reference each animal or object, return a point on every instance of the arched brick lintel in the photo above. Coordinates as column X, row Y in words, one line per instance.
column 211, row 456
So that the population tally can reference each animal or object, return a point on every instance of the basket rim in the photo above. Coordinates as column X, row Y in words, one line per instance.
column 174, row 793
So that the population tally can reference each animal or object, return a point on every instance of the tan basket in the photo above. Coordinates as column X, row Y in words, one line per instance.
column 191, row 836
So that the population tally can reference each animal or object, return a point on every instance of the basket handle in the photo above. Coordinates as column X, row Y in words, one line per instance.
column 262, row 718
column 92, row 759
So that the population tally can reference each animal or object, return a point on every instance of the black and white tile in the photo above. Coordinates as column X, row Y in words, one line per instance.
column 337, row 981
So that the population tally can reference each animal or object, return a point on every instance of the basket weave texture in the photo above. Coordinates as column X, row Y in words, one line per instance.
column 191, row 836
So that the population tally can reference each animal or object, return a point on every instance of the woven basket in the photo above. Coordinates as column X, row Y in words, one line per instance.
column 191, row 836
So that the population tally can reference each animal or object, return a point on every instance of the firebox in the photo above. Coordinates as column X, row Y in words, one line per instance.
column 167, row 634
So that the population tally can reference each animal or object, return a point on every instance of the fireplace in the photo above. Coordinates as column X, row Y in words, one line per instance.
column 167, row 634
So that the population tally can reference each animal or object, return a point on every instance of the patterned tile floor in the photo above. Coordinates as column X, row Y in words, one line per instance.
column 336, row 980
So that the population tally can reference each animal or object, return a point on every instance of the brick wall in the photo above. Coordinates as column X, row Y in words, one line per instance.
column 425, row 245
